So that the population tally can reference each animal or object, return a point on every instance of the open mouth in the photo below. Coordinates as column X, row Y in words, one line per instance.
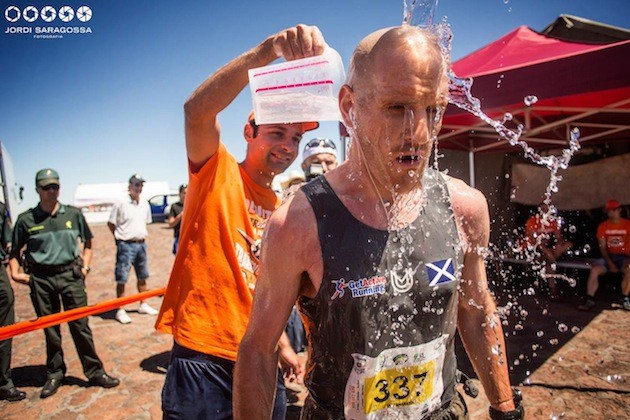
column 408, row 159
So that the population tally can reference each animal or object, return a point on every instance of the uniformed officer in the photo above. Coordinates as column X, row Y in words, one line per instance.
column 8, row 391
column 56, row 269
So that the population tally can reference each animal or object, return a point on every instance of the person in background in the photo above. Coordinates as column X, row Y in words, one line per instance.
column 175, row 216
column 613, row 237
column 208, row 299
column 49, row 234
column 128, row 223
column 8, row 391
column 319, row 156
column 543, row 234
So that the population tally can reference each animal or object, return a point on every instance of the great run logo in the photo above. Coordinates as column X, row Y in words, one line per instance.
column 48, row 22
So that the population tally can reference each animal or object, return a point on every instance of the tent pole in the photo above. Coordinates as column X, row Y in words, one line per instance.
column 471, row 167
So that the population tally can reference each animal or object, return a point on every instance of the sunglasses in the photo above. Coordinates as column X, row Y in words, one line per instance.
column 138, row 184
column 49, row 187
column 320, row 142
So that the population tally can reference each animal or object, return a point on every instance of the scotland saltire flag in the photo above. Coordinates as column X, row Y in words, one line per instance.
column 440, row 271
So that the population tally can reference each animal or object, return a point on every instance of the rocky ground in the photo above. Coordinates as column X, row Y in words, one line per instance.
column 570, row 364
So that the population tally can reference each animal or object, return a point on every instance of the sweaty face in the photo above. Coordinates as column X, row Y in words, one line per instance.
column 276, row 146
column 327, row 160
column 395, row 111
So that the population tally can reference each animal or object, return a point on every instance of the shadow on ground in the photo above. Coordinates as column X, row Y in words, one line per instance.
column 535, row 326
column 158, row 363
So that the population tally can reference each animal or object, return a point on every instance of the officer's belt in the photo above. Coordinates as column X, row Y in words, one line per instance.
column 48, row 270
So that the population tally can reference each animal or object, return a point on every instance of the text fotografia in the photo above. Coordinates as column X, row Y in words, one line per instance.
column 48, row 14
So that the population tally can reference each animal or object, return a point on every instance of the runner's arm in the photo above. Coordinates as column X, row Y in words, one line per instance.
column 286, row 249
column 478, row 323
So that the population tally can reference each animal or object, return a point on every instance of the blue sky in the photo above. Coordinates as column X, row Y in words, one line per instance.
column 98, row 107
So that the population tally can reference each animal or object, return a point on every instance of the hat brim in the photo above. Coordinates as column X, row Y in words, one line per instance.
column 306, row 126
column 50, row 181
column 309, row 126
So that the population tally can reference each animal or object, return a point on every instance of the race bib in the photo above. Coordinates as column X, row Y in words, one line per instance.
column 402, row 382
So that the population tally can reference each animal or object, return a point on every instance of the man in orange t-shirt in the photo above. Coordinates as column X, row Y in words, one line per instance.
column 542, row 233
column 208, row 299
column 613, row 237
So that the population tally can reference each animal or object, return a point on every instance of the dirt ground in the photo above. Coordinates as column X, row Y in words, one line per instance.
column 570, row 364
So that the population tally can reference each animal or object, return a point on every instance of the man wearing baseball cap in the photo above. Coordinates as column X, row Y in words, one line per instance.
column 128, row 223
column 55, row 271
column 319, row 156
column 613, row 237
column 208, row 299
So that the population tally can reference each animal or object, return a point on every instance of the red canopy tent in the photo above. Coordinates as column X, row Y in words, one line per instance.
column 577, row 85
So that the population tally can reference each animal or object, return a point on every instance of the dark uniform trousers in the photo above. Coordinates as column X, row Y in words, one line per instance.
column 45, row 293
column 7, row 317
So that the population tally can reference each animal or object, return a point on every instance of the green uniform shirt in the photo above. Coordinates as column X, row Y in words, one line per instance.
column 5, row 234
column 50, row 239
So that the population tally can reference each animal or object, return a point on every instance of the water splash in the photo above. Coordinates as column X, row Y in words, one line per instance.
column 419, row 12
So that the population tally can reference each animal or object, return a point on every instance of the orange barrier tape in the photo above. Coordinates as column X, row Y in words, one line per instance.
column 71, row 315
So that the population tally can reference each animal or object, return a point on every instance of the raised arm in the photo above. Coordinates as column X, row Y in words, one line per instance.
column 286, row 265
column 478, row 324
column 220, row 89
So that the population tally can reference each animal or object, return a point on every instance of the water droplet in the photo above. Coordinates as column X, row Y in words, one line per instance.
column 530, row 100
column 531, row 291
column 563, row 328
column 615, row 378
column 540, row 333
column 507, row 176
column 572, row 229
column 427, row 234
column 575, row 330
column 411, row 173
column 506, row 1
column 587, row 248
column 517, row 362
column 553, row 341
column 518, row 327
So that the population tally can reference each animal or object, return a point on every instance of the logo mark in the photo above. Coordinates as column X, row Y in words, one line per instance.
column 12, row 14
column 402, row 284
column 48, row 14
column 84, row 13
column 401, row 359
column 30, row 14
column 340, row 288
column 69, row 224
column 66, row 13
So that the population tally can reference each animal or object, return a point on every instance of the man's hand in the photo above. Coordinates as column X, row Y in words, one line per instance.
column 301, row 41
column 290, row 364
column 22, row 278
